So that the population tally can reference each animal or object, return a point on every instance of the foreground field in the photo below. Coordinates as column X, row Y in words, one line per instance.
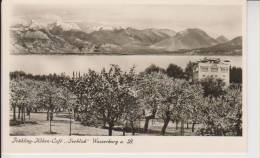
column 38, row 126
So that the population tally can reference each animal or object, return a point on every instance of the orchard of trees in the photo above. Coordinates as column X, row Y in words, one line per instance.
column 115, row 98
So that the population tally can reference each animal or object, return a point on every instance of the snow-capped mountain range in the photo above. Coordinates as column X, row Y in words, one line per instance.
column 36, row 25
column 66, row 26
column 35, row 36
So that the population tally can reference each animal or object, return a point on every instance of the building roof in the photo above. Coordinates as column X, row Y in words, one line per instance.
column 213, row 61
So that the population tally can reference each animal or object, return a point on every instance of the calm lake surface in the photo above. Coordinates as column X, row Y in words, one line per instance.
column 41, row 64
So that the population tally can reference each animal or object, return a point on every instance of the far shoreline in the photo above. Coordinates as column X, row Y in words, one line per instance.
column 117, row 54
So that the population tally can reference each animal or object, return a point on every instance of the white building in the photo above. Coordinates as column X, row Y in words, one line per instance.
column 212, row 67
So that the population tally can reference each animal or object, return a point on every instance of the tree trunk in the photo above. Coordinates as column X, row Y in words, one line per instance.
column 139, row 125
column 78, row 118
column 51, row 114
column 182, row 128
column 193, row 126
column 19, row 113
column 187, row 126
column 56, row 111
column 50, row 126
column 74, row 113
column 104, row 123
column 176, row 124
column 166, row 122
column 29, row 115
column 146, row 124
column 24, row 114
column 48, row 115
column 124, row 131
column 22, row 118
column 14, row 113
column 110, row 129
column 28, row 111
column 147, row 119
column 70, row 124
column 133, row 128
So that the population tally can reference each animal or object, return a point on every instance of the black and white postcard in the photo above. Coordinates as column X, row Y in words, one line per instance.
column 112, row 76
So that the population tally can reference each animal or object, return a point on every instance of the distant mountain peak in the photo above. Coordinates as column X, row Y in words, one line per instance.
column 195, row 29
column 231, row 47
column 191, row 30
column 188, row 39
column 222, row 39
column 236, row 41
column 34, row 24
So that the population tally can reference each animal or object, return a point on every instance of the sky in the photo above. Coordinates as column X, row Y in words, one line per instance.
column 214, row 19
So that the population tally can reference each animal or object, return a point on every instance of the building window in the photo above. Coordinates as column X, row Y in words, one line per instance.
column 214, row 69
column 204, row 68
column 203, row 75
column 224, row 69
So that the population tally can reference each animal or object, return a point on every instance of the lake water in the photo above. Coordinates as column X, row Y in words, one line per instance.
column 41, row 64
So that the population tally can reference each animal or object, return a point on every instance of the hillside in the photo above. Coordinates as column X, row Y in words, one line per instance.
column 63, row 38
column 60, row 37
column 232, row 47
column 188, row 39
column 128, row 37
